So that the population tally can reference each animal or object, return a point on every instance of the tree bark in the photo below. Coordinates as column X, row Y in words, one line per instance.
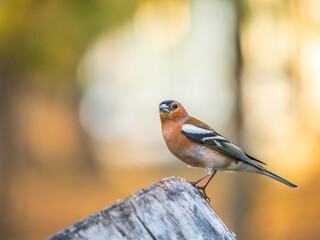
column 169, row 209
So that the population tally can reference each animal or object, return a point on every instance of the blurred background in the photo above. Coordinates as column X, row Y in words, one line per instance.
column 80, row 84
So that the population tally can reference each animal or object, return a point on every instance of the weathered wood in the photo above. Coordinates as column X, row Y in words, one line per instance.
column 169, row 209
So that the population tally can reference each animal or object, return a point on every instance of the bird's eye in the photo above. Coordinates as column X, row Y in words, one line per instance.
column 174, row 106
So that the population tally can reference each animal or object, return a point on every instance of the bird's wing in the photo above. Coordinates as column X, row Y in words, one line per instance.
column 217, row 142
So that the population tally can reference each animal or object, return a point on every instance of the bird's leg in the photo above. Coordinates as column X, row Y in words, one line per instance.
column 197, row 181
column 203, row 188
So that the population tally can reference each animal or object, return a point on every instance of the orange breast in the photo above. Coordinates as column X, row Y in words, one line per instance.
column 190, row 152
column 181, row 146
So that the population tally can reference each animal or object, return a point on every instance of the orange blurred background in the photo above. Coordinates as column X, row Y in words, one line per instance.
column 80, row 84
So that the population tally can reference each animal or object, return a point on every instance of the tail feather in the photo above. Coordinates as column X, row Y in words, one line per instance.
column 280, row 179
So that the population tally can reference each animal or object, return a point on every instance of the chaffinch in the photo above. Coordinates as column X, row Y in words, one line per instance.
column 198, row 145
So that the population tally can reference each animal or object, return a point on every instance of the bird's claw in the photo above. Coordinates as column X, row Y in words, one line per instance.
column 203, row 193
column 194, row 183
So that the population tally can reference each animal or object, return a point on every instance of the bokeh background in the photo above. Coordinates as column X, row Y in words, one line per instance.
column 80, row 84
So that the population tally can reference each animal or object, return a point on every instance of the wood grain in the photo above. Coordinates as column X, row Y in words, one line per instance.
column 169, row 209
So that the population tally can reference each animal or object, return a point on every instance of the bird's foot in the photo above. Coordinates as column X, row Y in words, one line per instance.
column 203, row 193
column 194, row 183
column 199, row 180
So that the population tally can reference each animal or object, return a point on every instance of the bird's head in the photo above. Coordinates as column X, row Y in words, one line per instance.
column 171, row 110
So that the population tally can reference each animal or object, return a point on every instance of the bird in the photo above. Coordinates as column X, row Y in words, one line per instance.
column 198, row 145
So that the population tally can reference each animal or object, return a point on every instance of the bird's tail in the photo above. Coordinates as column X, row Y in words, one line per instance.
column 280, row 179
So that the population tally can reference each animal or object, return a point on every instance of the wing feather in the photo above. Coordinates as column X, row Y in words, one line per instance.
column 217, row 142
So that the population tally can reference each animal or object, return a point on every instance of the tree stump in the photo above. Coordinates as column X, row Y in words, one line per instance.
column 169, row 209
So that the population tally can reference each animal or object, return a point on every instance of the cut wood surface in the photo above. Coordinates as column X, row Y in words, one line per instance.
column 169, row 209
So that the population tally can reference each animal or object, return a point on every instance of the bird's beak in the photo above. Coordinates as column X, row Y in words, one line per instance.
column 164, row 108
